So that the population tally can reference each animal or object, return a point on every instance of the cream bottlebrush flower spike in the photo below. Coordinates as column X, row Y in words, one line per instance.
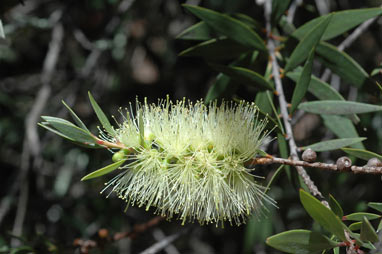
column 188, row 160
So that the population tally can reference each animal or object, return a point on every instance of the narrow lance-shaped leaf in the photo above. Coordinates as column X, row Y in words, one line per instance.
column 70, row 130
column 76, row 118
column 361, row 154
column 244, row 76
column 341, row 22
column 228, row 26
column 278, row 9
column 333, row 144
column 360, row 215
column 216, row 49
column 376, row 206
column 367, row 231
column 101, row 116
column 342, row 64
column 219, row 88
column 199, row 32
column 303, row 82
column 310, row 40
column 342, row 127
column 322, row 91
column 338, row 107
column 355, row 226
column 335, row 206
column 324, row 216
column 104, row 170
column 300, row 241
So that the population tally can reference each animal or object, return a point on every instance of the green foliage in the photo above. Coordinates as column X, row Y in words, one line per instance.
column 333, row 144
column 104, row 170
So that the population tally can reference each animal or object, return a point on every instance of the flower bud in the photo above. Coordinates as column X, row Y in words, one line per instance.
column 343, row 163
column 118, row 156
column 309, row 155
column 374, row 162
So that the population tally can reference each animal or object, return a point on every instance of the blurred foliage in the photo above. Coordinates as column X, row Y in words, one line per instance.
column 122, row 49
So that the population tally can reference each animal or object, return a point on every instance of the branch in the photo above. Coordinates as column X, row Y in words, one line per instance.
column 326, row 166
column 283, row 104
column 157, row 247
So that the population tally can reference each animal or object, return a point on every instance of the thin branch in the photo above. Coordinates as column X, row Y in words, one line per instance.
column 283, row 104
column 292, row 10
column 86, row 245
column 320, row 165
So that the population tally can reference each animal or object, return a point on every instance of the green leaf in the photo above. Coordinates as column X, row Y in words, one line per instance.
column 367, row 231
column 249, row 21
column 228, row 26
column 76, row 118
column 338, row 107
column 244, row 76
column 198, row 32
column 303, row 82
column 301, row 52
column 341, row 22
column 321, row 214
column 333, row 144
column 87, row 145
column 376, row 206
column 360, row 215
column 342, row 127
column 361, row 153
column 263, row 103
column 321, row 90
column 355, row 226
column 335, row 206
column 283, row 148
column 278, row 9
column 379, row 226
column 101, row 116
column 219, row 88
column 300, row 241
column 215, row 49
column 342, row 64
column 104, row 170
column 70, row 131
column 317, row 87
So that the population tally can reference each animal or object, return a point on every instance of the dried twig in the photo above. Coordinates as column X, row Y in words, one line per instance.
column 326, row 166
column 103, row 237
column 163, row 243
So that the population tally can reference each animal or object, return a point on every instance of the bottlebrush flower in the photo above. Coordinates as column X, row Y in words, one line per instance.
column 188, row 161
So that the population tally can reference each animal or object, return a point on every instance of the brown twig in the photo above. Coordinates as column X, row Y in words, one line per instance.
column 103, row 237
column 320, row 165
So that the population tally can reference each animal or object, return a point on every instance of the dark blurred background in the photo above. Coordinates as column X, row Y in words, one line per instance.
column 118, row 50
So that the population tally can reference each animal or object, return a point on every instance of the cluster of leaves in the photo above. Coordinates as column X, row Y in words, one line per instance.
column 332, row 220
column 237, row 39
column 233, row 45
column 80, row 134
